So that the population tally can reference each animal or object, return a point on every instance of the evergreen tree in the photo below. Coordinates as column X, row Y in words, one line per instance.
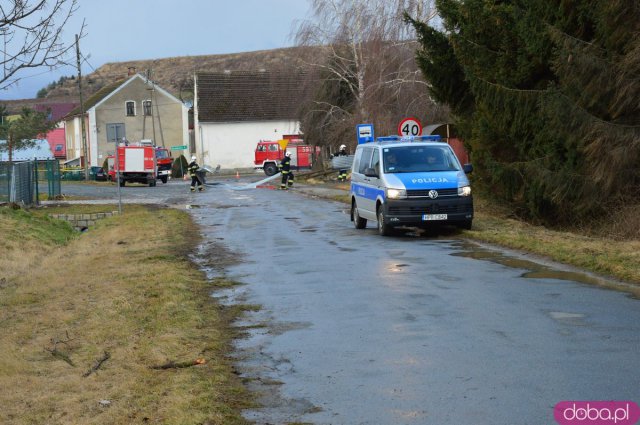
column 543, row 91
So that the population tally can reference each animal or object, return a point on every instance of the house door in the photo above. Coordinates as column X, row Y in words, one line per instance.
column 115, row 132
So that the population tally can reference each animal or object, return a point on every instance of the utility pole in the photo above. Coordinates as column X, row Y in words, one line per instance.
column 84, row 136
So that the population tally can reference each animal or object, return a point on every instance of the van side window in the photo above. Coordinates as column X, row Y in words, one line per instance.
column 356, row 161
column 365, row 160
column 375, row 161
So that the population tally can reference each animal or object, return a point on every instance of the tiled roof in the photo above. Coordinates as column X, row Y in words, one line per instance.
column 58, row 110
column 97, row 97
column 249, row 96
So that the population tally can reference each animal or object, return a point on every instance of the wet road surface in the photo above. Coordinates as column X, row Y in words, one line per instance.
column 360, row 329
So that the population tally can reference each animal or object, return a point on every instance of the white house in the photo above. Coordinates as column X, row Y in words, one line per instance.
column 233, row 111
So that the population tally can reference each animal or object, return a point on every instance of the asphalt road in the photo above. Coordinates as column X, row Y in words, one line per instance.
column 359, row 329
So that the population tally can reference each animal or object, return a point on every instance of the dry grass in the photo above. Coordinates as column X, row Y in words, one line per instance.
column 126, row 288
column 619, row 259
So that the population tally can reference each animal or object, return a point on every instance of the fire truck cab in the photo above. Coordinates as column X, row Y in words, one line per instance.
column 268, row 155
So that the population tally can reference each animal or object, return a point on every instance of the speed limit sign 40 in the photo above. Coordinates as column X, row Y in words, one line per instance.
column 410, row 127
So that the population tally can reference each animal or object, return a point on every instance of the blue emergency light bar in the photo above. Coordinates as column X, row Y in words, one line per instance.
column 406, row 139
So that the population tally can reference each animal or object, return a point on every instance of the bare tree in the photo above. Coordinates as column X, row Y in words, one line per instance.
column 368, row 72
column 31, row 34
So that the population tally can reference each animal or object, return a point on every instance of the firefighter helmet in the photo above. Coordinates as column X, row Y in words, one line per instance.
column 193, row 158
column 288, row 154
column 343, row 147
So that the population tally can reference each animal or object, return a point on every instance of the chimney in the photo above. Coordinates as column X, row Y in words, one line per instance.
column 131, row 71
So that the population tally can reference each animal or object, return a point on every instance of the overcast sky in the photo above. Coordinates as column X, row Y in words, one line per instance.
column 122, row 30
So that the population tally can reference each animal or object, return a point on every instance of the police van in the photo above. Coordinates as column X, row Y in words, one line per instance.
column 409, row 181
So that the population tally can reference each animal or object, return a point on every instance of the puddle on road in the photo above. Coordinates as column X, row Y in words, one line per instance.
column 536, row 270
column 575, row 319
column 347, row 249
column 396, row 267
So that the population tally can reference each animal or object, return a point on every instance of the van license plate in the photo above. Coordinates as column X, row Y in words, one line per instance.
column 429, row 217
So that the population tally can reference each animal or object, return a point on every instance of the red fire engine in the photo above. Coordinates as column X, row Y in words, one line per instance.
column 137, row 164
column 268, row 155
column 132, row 171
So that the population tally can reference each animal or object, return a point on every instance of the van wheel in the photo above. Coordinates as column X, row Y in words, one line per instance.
column 383, row 229
column 358, row 221
column 164, row 179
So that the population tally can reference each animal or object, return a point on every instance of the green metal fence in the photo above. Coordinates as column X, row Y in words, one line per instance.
column 24, row 182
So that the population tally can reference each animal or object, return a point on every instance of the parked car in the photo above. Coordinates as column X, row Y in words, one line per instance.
column 98, row 174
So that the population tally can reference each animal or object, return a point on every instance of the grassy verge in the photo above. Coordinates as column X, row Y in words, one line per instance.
column 616, row 258
column 619, row 259
column 125, row 288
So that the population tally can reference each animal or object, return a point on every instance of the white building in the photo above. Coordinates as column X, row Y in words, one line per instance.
column 233, row 111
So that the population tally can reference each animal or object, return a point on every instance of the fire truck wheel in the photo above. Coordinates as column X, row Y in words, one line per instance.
column 270, row 169
column 122, row 182
column 152, row 183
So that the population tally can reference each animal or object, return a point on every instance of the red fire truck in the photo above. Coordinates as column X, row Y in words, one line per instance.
column 137, row 164
column 268, row 155
column 164, row 162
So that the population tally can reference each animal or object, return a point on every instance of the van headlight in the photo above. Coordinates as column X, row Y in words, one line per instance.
column 396, row 194
column 464, row 191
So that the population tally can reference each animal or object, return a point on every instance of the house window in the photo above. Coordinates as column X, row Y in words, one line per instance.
column 115, row 132
column 131, row 108
column 58, row 148
column 146, row 107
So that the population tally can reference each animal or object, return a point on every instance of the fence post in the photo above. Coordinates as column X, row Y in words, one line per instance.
column 35, row 175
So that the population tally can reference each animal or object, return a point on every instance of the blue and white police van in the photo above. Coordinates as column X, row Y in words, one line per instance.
column 409, row 181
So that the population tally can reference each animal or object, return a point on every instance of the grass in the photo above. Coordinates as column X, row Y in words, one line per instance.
column 62, row 306
column 619, row 259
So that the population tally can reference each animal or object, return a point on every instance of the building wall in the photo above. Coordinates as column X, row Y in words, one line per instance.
column 232, row 145
column 72, row 136
column 171, row 126
column 57, row 137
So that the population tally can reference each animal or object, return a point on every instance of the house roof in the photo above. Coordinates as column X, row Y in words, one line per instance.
column 58, row 110
column 41, row 150
column 96, row 98
column 249, row 95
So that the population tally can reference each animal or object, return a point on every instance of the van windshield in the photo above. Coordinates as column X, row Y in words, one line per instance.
column 416, row 159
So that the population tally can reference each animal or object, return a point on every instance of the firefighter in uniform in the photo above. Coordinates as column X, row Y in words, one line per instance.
column 342, row 173
column 193, row 173
column 287, row 174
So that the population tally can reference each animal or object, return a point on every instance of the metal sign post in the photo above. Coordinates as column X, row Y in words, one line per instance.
column 117, row 165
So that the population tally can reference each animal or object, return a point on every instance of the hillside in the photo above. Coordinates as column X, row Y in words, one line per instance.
column 173, row 74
